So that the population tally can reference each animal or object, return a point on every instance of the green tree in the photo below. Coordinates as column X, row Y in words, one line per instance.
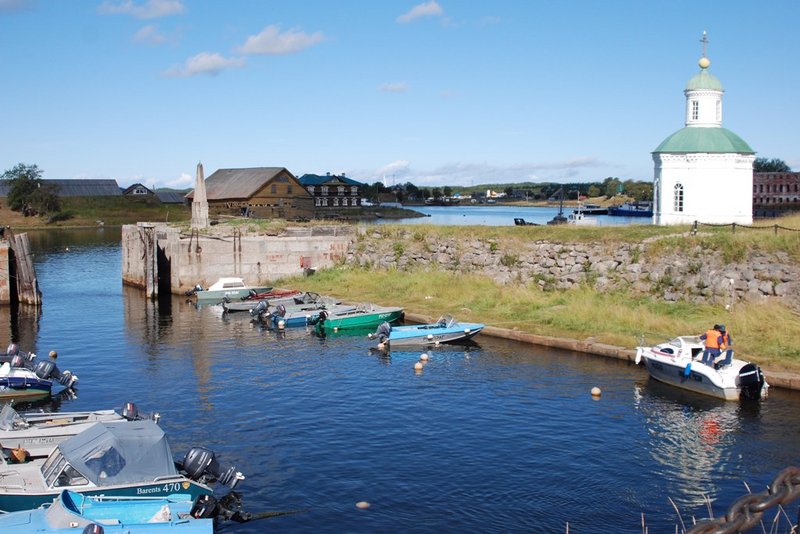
column 448, row 191
column 28, row 193
column 437, row 193
column 770, row 165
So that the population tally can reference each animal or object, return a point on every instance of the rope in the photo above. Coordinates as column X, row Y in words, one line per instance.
column 775, row 227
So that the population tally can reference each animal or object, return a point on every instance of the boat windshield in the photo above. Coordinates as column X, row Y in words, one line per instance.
column 10, row 419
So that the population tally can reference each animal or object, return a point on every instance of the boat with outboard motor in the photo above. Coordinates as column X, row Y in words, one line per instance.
column 38, row 432
column 677, row 362
column 112, row 458
column 361, row 316
column 295, row 315
column 230, row 287
column 300, row 300
column 71, row 511
column 22, row 376
column 445, row 330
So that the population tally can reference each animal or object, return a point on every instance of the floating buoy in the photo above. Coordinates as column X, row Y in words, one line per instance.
column 418, row 366
column 67, row 249
column 596, row 392
column 363, row 505
column 423, row 357
column 53, row 354
column 430, row 336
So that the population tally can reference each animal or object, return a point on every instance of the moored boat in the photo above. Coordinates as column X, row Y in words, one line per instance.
column 231, row 287
column 38, row 433
column 632, row 209
column 23, row 377
column 362, row 316
column 445, row 330
column 71, row 511
column 112, row 458
column 677, row 362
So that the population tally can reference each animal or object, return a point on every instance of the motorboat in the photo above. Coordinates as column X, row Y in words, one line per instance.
column 72, row 512
column 37, row 432
column 678, row 362
column 592, row 209
column 281, row 316
column 23, row 377
column 231, row 287
column 115, row 459
column 445, row 330
column 580, row 218
column 361, row 316
column 297, row 301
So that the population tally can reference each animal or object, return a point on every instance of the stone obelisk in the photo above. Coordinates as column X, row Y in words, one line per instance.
column 200, row 202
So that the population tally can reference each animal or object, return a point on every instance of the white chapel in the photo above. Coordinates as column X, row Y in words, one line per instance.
column 703, row 172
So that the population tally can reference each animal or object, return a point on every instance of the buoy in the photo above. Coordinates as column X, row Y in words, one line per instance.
column 424, row 356
column 53, row 354
column 596, row 392
column 418, row 366
column 67, row 249
column 430, row 336
column 281, row 324
column 363, row 505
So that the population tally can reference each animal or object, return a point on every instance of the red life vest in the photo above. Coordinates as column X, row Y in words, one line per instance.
column 725, row 341
column 712, row 339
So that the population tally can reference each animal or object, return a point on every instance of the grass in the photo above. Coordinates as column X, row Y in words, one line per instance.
column 617, row 318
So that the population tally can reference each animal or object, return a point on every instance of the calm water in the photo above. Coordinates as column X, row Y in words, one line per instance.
column 499, row 437
column 500, row 216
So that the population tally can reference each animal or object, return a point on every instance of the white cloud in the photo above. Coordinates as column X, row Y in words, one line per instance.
column 428, row 9
column 182, row 182
column 394, row 87
column 150, row 9
column 149, row 35
column 205, row 63
column 272, row 42
column 466, row 174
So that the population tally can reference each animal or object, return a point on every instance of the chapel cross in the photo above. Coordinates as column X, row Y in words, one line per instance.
column 704, row 40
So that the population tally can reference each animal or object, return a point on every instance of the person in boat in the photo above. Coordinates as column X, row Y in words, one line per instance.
column 725, row 347
column 713, row 340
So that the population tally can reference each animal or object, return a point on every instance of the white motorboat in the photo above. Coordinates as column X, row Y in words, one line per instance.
column 39, row 432
column 233, row 288
column 678, row 362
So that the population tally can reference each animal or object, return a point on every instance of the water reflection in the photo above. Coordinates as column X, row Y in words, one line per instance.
column 691, row 436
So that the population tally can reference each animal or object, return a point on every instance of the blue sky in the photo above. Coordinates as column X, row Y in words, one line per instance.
column 434, row 92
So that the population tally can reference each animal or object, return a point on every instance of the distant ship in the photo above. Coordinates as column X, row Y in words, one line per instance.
column 632, row 209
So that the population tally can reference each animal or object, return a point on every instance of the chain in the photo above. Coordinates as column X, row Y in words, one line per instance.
column 746, row 512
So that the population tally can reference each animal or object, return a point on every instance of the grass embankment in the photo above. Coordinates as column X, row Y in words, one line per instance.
column 90, row 211
column 765, row 333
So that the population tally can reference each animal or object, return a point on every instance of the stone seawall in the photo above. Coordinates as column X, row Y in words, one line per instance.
column 696, row 276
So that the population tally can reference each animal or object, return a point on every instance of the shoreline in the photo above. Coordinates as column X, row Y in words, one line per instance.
column 777, row 379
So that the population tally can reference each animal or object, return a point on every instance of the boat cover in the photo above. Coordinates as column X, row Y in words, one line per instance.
column 120, row 452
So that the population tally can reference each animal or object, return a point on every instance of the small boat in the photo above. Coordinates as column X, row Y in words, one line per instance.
column 72, row 512
column 445, row 330
column 362, row 316
column 292, row 302
column 24, row 377
column 677, row 362
column 230, row 287
column 632, row 209
column 519, row 221
column 578, row 217
column 112, row 458
column 281, row 316
column 39, row 432
column 273, row 294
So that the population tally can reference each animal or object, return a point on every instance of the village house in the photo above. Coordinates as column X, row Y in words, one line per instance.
column 262, row 192
column 332, row 191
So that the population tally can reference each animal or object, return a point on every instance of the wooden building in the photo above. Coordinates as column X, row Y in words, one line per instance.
column 332, row 191
column 262, row 192
column 138, row 190
column 776, row 193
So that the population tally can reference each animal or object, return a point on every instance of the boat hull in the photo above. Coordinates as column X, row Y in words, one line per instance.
column 232, row 294
column 675, row 375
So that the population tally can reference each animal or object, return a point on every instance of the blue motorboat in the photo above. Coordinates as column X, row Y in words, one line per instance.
column 445, row 330
column 632, row 209
column 112, row 458
column 23, row 377
column 281, row 316
column 73, row 512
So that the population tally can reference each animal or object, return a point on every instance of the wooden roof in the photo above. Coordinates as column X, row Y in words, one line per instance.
column 239, row 183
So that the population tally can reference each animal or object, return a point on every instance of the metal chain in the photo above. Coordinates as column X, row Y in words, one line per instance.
column 746, row 512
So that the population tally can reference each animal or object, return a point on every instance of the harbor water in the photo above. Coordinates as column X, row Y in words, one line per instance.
column 494, row 437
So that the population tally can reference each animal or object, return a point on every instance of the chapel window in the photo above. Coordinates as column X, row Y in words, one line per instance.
column 695, row 110
column 678, row 198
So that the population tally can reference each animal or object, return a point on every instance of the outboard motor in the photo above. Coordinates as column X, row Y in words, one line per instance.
column 382, row 333
column 44, row 369
column 751, row 382
column 260, row 308
column 12, row 350
column 18, row 361
column 93, row 528
column 201, row 464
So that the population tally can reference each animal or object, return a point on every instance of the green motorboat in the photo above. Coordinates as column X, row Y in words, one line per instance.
column 361, row 317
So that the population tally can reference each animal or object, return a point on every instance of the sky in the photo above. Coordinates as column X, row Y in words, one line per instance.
column 439, row 92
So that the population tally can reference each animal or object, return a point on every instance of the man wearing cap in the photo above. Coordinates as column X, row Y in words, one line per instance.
column 713, row 338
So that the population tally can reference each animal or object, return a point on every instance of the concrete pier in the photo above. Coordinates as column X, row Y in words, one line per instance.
column 164, row 259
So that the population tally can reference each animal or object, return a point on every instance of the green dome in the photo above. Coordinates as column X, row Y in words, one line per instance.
column 698, row 139
column 704, row 80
